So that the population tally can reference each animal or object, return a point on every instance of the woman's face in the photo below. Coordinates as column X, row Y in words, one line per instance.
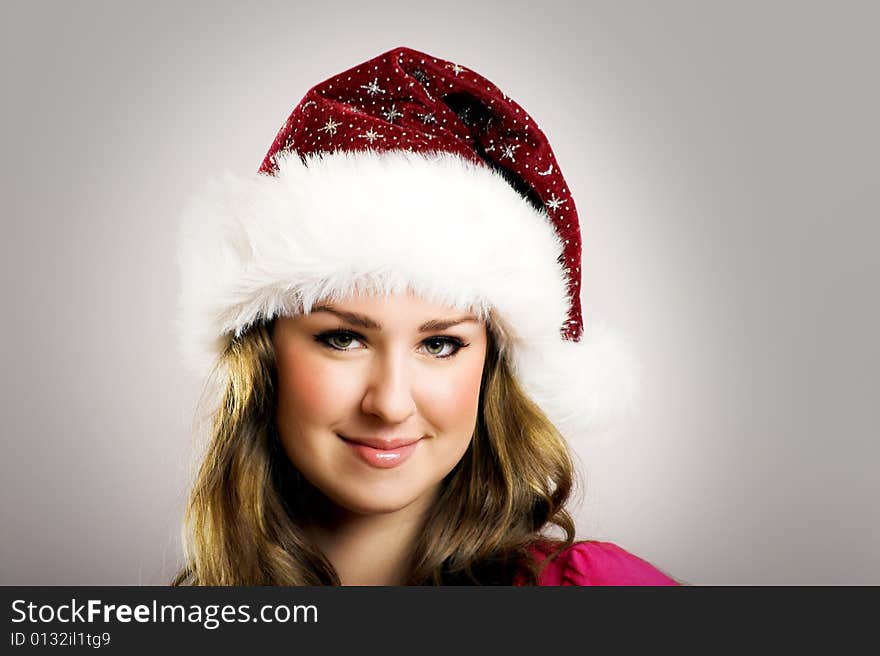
column 375, row 369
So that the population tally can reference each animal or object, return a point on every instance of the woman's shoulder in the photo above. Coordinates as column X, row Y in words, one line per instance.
column 593, row 562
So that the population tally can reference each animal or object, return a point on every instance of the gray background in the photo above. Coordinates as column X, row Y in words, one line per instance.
column 724, row 161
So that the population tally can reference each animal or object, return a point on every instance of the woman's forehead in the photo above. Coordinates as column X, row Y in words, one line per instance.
column 389, row 320
column 400, row 310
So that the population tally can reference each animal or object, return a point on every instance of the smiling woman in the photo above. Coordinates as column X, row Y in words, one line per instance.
column 395, row 329
column 396, row 397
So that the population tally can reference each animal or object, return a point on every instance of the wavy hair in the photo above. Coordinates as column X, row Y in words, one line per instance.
column 244, row 522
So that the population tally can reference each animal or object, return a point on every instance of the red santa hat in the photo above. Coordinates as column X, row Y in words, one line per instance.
column 409, row 173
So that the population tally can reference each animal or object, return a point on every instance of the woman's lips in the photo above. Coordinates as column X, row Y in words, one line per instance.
column 382, row 458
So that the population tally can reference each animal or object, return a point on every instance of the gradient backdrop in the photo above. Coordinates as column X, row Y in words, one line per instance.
column 724, row 161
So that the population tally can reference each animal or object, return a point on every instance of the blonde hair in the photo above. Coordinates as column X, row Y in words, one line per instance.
column 244, row 523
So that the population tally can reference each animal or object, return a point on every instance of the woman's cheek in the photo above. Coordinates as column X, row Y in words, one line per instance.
column 317, row 387
column 457, row 394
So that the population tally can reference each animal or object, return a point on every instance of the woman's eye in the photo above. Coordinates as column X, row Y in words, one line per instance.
column 435, row 346
column 338, row 340
column 439, row 347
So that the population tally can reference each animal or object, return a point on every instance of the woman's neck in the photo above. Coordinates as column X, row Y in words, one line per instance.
column 371, row 549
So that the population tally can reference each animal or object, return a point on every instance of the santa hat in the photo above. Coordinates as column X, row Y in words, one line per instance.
column 409, row 173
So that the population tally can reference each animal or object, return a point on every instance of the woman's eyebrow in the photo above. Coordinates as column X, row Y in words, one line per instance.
column 367, row 323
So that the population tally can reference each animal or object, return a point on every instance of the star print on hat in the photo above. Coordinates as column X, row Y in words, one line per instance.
column 409, row 172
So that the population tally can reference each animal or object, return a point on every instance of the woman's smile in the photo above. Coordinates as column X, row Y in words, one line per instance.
column 383, row 458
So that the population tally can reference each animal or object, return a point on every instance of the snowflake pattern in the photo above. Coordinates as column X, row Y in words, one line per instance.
column 373, row 87
column 371, row 136
column 331, row 126
column 555, row 203
column 507, row 152
column 455, row 68
column 391, row 114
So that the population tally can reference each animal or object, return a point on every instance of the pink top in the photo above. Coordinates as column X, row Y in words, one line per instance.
column 597, row 563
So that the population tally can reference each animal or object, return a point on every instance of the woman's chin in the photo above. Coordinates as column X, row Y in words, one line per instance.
column 378, row 499
column 375, row 505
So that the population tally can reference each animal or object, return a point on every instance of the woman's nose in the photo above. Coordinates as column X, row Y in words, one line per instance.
column 389, row 389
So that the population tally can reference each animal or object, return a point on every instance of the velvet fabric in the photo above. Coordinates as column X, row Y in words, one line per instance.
column 593, row 562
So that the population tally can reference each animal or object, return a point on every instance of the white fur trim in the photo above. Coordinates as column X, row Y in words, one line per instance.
column 450, row 230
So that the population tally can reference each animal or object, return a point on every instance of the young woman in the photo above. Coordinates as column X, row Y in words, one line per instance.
column 391, row 309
